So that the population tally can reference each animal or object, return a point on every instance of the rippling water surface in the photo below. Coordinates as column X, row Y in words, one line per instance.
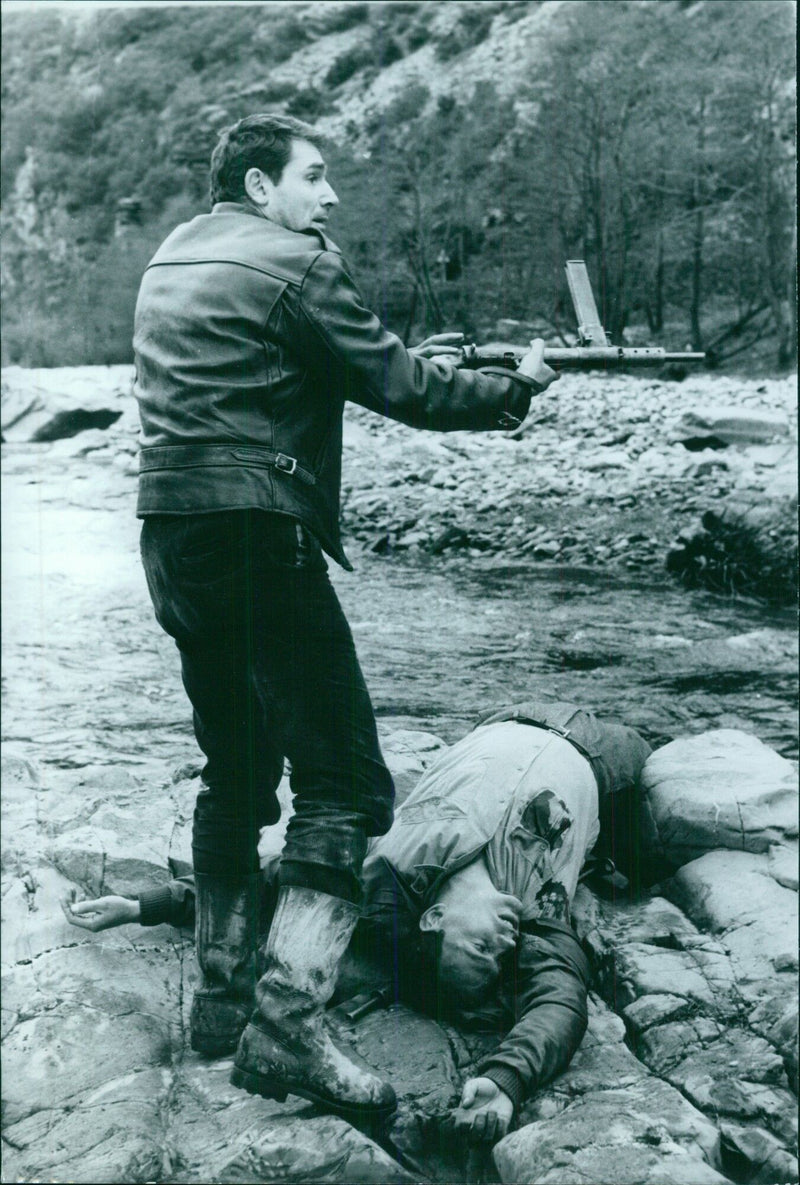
column 440, row 644
column 91, row 680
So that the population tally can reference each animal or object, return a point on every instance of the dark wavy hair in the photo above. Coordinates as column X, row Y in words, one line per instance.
column 422, row 987
column 256, row 142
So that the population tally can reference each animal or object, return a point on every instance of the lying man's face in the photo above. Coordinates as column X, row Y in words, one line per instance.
column 476, row 931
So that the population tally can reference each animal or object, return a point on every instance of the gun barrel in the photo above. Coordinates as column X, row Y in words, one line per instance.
column 583, row 356
column 578, row 357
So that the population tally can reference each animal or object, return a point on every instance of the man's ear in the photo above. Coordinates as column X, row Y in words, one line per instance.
column 432, row 918
column 258, row 186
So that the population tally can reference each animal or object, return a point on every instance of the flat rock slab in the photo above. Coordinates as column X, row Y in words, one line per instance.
column 609, row 1137
column 609, row 1119
column 722, row 789
column 731, row 425
column 735, row 895
column 95, row 1046
column 684, row 993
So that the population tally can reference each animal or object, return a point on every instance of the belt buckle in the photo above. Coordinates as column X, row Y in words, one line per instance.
column 285, row 464
column 560, row 732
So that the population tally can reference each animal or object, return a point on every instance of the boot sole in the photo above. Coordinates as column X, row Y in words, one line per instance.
column 270, row 1088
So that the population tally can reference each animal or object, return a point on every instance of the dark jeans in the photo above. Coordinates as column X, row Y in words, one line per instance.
column 269, row 665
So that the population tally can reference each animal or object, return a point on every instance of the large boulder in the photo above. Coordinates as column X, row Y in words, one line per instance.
column 55, row 404
column 721, row 789
column 704, row 1007
column 737, row 896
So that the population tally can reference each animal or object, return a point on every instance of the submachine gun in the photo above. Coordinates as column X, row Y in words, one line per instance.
column 593, row 348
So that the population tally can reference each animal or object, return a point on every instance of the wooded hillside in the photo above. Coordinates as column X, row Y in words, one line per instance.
column 476, row 147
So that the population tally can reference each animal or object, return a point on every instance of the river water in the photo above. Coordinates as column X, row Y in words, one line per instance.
column 90, row 679
column 440, row 644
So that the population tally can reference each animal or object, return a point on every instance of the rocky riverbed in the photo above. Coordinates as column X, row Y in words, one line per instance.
column 607, row 471
column 488, row 568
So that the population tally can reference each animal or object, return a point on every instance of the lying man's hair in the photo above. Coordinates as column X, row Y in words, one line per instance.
column 425, row 988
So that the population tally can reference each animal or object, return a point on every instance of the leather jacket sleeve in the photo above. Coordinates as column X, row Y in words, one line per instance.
column 338, row 335
column 548, row 984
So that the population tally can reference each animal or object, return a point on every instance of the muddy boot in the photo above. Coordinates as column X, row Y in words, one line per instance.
column 226, row 938
column 286, row 1048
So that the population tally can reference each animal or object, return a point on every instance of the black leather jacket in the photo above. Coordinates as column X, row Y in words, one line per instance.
column 248, row 340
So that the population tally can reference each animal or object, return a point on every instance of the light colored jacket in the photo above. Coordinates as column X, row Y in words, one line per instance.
column 524, row 797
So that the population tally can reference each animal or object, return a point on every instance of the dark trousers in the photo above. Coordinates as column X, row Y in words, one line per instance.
column 270, row 668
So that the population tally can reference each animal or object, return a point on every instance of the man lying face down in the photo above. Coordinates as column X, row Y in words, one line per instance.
column 467, row 898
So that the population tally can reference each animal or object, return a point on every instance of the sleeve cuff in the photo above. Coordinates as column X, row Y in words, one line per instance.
column 508, row 1080
column 155, row 906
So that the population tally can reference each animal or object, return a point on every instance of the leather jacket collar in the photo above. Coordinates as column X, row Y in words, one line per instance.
column 244, row 208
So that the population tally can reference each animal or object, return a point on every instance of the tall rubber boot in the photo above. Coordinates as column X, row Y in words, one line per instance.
column 286, row 1048
column 226, row 941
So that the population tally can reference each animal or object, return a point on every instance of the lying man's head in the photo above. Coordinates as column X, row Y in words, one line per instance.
column 474, row 931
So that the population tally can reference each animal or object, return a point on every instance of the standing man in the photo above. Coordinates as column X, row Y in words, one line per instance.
column 249, row 337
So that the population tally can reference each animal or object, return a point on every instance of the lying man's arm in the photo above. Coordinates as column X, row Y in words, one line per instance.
column 550, row 977
column 171, row 904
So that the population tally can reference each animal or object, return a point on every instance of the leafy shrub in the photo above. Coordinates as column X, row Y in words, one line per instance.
column 307, row 104
column 744, row 551
column 123, row 27
column 518, row 9
column 471, row 29
column 417, row 36
column 381, row 50
column 285, row 37
column 346, row 66
column 385, row 48
column 406, row 106
column 402, row 8
column 341, row 17
column 418, row 31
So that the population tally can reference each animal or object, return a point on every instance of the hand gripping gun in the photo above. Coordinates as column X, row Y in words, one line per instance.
column 593, row 348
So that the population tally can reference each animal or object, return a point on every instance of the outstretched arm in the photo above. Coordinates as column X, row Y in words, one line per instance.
column 551, row 978
column 171, row 904
column 339, row 336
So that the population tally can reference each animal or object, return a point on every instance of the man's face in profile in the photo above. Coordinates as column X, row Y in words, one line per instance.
column 475, row 933
column 303, row 198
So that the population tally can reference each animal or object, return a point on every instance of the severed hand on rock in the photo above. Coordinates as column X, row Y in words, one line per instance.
column 101, row 913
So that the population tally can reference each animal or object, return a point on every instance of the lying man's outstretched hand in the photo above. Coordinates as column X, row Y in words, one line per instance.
column 102, row 913
column 485, row 1111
